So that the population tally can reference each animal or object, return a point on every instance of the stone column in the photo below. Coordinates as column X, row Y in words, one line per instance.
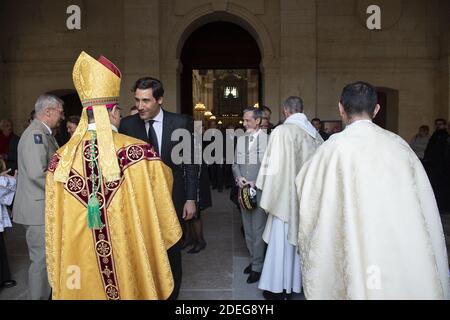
column 298, row 70
column 270, row 72
column 141, row 45
column 5, row 110
column 170, row 75
column 444, row 61
column 444, row 87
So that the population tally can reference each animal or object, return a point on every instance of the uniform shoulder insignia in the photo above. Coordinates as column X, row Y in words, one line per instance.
column 38, row 139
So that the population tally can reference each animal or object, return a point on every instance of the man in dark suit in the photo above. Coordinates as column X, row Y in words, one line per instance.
column 155, row 125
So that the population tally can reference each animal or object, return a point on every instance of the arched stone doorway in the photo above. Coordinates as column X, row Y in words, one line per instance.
column 224, row 47
column 171, row 67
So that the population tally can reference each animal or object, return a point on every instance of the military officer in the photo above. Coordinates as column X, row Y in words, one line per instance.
column 36, row 146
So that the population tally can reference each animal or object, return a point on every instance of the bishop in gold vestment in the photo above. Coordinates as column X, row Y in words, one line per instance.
column 109, row 212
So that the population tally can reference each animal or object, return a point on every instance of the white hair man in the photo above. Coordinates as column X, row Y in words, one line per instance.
column 36, row 147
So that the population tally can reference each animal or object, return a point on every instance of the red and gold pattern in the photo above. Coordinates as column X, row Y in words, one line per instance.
column 54, row 160
column 81, row 188
column 135, row 153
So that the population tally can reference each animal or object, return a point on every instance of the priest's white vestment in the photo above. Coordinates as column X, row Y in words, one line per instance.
column 369, row 226
column 290, row 145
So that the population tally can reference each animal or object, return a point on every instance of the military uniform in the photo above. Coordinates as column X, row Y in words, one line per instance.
column 36, row 147
column 247, row 164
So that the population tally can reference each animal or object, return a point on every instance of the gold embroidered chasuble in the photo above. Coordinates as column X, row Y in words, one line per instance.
column 127, row 258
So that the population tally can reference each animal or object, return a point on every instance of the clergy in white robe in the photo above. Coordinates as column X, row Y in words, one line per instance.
column 290, row 145
column 369, row 227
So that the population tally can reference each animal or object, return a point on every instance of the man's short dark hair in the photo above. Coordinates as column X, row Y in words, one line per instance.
column 425, row 127
column 266, row 108
column 150, row 83
column 440, row 120
column 257, row 113
column 316, row 119
column 293, row 104
column 359, row 98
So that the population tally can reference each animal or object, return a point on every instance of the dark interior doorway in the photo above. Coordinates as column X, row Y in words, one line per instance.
column 72, row 107
column 216, row 45
column 388, row 100
column 381, row 117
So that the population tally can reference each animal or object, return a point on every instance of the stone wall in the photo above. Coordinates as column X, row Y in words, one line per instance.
column 402, row 56
column 310, row 48
column 4, row 110
column 39, row 51
column 444, row 61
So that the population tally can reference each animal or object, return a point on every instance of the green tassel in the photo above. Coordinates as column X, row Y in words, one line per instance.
column 94, row 221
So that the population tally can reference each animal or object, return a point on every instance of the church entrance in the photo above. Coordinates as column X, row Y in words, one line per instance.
column 220, row 76
column 220, row 73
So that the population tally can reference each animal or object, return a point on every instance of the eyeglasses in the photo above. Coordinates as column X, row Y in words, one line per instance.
column 60, row 111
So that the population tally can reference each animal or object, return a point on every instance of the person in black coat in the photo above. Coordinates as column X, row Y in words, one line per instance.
column 435, row 163
column 9, row 142
column 193, row 229
column 156, row 125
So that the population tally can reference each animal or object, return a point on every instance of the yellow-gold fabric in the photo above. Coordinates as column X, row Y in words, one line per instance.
column 125, row 257
column 141, row 222
column 97, row 87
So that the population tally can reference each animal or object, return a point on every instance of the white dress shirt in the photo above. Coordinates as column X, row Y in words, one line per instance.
column 253, row 138
column 158, row 126
column 48, row 128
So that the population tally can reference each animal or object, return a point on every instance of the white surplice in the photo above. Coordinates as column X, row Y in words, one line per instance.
column 369, row 225
column 290, row 145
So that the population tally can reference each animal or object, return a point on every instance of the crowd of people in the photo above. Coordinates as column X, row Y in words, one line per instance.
column 347, row 216
column 434, row 152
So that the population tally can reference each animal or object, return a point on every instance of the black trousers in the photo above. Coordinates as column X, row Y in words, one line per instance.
column 216, row 175
column 5, row 274
column 174, row 254
column 228, row 176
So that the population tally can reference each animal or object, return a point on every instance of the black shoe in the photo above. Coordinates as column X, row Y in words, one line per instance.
column 254, row 277
column 186, row 244
column 9, row 284
column 268, row 295
column 198, row 247
column 248, row 269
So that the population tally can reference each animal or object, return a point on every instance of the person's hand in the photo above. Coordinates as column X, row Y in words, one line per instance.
column 5, row 173
column 15, row 174
column 189, row 210
column 241, row 182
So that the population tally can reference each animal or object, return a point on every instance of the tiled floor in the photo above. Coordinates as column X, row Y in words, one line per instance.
column 216, row 272
column 213, row 274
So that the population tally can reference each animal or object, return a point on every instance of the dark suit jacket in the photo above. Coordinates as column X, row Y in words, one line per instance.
column 11, row 162
column 185, row 176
